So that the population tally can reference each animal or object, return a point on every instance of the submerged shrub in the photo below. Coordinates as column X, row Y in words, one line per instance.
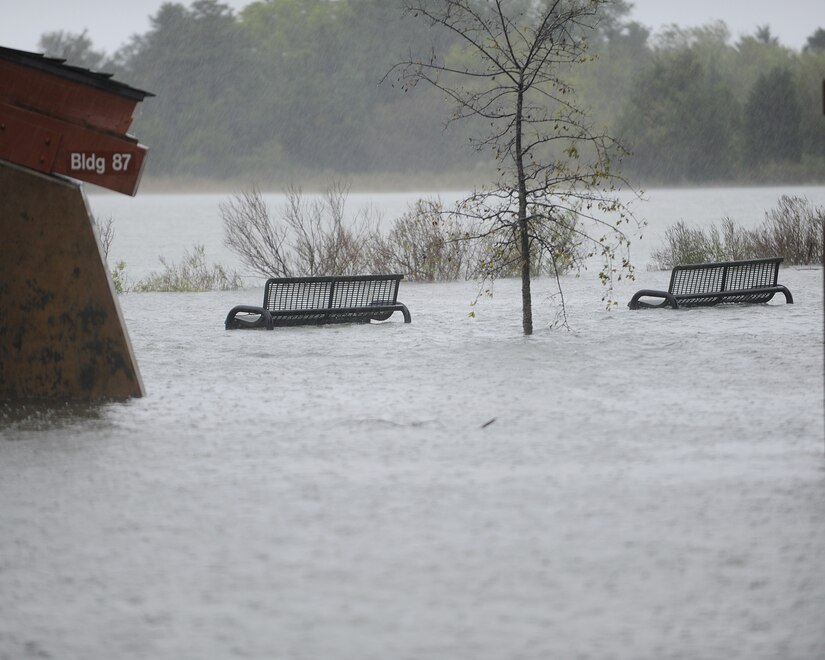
column 312, row 237
column 106, row 236
column 119, row 276
column 250, row 233
column 792, row 230
column 317, row 237
column 425, row 244
column 192, row 274
column 323, row 241
column 688, row 245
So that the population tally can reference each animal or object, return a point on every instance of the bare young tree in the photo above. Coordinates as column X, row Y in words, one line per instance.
column 507, row 74
column 325, row 241
column 313, row 236
column 424, row 244
column 251, row 234
column 106, row 233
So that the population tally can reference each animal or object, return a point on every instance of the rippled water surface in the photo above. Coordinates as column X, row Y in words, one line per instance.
column 647, row 485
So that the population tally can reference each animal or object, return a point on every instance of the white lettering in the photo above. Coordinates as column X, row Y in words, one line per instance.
column 91, row 162
column 87, row 162
column 120, row 162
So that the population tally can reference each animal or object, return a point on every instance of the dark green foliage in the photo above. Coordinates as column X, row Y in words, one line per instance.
column 288, row 88
column 680, row 120
column 285, row 86
column 195, row 60
column 816, row 42
column 76, row 49
column 772, row 119
column 705, row 110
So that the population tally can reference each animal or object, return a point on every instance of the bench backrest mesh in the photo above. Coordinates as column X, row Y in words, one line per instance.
column 293, row 293
column 726, row 276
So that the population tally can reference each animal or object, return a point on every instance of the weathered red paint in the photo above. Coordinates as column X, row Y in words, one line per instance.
column 59, row 119
column 62, row 334
column 47, row 145
column 51, row 95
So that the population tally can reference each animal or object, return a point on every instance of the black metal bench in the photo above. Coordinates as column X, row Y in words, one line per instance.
column 702, row 285
column 322, row 300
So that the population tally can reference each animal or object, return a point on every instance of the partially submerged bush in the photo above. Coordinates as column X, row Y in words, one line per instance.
column 192, row 274
column 688, row 245
column 314, row 237
column 792, row 230
column 324, row 242
column 425, row 244
column 249, row 232
column 106, row 234
column 119, row 277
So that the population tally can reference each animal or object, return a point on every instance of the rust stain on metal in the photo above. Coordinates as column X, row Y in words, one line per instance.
column 62, row 334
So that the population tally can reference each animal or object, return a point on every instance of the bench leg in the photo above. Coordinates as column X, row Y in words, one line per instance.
column 406, row 313
column 788, row 296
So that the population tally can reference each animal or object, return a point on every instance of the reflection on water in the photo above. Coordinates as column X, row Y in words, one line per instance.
column 19, row 419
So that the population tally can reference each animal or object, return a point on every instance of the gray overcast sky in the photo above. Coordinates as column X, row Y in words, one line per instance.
column 111, row 22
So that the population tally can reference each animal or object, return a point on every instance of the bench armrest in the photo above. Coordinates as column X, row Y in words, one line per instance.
column 234, row 323
column 387, row 308
column 667, row 299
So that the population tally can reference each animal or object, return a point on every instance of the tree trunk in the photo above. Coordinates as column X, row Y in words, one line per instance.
column 526, row 297
column 523, row 233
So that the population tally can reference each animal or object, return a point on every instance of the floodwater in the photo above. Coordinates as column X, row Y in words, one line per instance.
column 644, row 486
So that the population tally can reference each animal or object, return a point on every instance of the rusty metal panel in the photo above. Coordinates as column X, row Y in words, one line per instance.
column 26, row 143
column 62, row 334
column 54, row 96
column 48, row 85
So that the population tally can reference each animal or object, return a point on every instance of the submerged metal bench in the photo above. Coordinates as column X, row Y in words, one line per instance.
column 702, row 285
column 322, row 300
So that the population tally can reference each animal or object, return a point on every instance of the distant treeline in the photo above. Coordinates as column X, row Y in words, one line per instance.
column 291, row 88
